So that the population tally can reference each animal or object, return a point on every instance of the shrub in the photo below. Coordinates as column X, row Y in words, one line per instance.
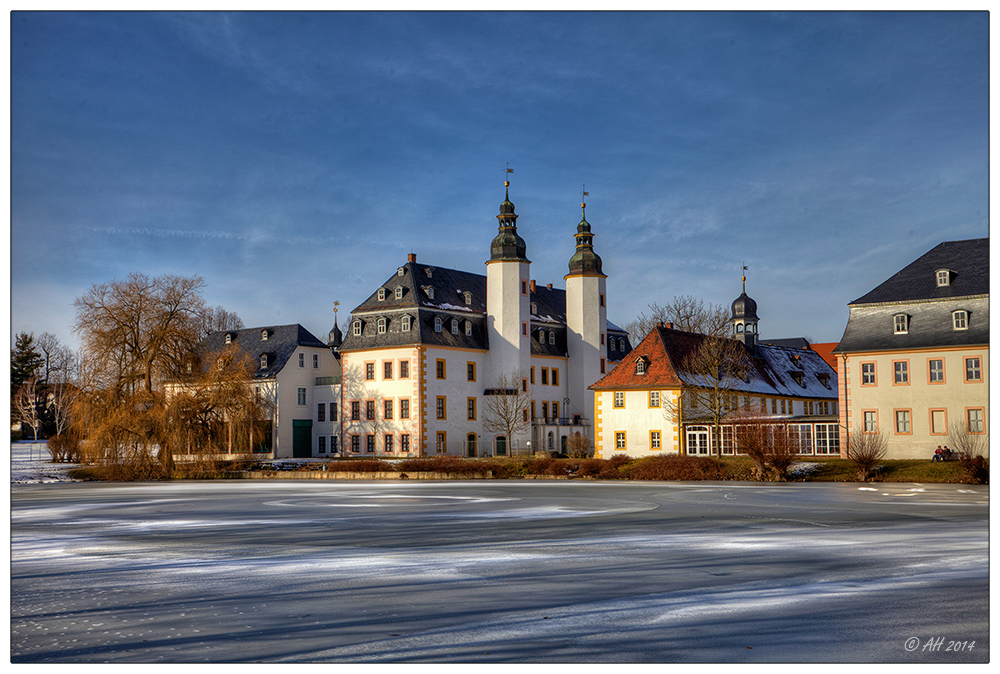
column 675, row 467
column 865, row 451
column 64, row 448
column 971, row 450
column 361, row 466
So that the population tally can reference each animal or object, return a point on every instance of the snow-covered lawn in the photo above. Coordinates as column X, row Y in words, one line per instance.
column 30, row 463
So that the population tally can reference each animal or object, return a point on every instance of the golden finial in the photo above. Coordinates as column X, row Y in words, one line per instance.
column 585, row 193
column 335, row 305
column 506, row 183
column 744, row 276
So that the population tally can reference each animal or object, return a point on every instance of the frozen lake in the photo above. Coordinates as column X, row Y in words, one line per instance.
column 518, row 571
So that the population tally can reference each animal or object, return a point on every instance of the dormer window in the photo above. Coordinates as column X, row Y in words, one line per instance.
column 437, row 324
column 430, row 292
column 381, row 326
column 429, row 272
column 943, row 277
column 900, row 324
column 381, row 294
column 611, row 345
column 229, row 338
column 468, row 297
column 621, row 345
column 454, row 326
column 399, row 292
column 640, row 366
column 263, row 360
column 468, row 328
column 799, row 378
column 534, row 309
column 356, row 328
column 405, row 324
column 960, row 320
column 824, row 379
column 399, row 271
column 552, row 337
column 263, row 335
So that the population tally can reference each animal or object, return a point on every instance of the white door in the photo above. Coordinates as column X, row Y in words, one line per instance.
column 697, row 440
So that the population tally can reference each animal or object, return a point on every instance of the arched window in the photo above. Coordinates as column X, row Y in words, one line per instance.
column 468, row 297
column 229, row 338
column 263, row 335
column 406, row 323
column 399, row 292
column 381, row 294
column 468, row 327
column 381, row 326
column 621, row 345
column 739, row 328
column 263, row 360
column 437, row 324
column 534, row 308
column 454, row 326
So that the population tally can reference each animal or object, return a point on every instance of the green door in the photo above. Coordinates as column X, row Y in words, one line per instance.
column 302, row 438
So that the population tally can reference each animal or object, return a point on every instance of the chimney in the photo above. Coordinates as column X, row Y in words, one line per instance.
column 411, row 257
column 532, row 286
column 668, row 326
column 549, row 286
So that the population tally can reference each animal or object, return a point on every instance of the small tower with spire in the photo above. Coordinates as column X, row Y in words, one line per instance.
column 744, row 317
column 586, row 319
column 508, row 301
column 336, row 337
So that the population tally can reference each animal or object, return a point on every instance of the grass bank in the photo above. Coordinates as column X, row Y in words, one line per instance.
column 668, row 468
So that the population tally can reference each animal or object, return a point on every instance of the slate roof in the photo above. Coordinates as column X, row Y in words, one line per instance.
column 448, row 303
column 914, row 292
column 282, row 340
column 968, row 259
column 776, row 370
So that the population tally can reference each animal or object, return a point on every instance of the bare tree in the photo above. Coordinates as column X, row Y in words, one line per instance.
column 579, row 446
column 505, row 406
column 865, row 451
column 971, row 448
column 140, row 330
column 715, row 371
column 217, row 319
column 686, row 313
column 26, row 405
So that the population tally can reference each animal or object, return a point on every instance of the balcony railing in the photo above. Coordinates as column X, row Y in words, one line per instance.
column 560, row 421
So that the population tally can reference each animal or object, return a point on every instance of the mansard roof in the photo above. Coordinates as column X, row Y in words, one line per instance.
column 775, row 370
column 969, row 264
column 281, row 343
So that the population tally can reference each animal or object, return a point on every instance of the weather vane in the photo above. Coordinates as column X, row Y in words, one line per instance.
column 507, row 170
column 335, row 305
column 744, row 275
column 585, row 194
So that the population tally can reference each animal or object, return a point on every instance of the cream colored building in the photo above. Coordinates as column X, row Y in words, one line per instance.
column 914, row 358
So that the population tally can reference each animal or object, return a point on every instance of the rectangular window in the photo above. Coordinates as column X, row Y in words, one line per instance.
column 619, row 399
column 470, row 371
column 960, row 320
column 355, row 444
column 900, row 372
column 545, row 409
column 321, row 412
column 302, row 360
column 939, row 422
column 440, row 368
column 903, row 422
column 404, row 408
column 387, row 443
column 868, row 374
column 355, row 410
column 531, row 376
column 441, row 407
column 404, row 369
column 545, row 376
column 533, row 415
column 387, row 409
column 301, row 396
column 555, row 377
column 321, row 444
column 333, row 411
column 654, row 398
column 783, row 406
column 974, row 420
column 334, row 447
column 404, row 442
column 972, row 369
column 471, row 409
column 387, row 370
column 555, row 410
column 871, row 421
column 524, row 329
column 315, row 361
column 899, row 324
column 619, row 439
column 935, row 371
column 774, row 405
column 602, row 299
column 370, row 444
column 654, row 440
column 369, row 371
column 827, row 439
column 602, row 339
column 524, row 287
column 602, row 366
column 369, row 410
column 442, row 442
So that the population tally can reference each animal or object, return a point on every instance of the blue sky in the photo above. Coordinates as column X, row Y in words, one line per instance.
column 295, row 159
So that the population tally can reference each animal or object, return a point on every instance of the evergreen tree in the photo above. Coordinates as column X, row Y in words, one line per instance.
column 24, row 361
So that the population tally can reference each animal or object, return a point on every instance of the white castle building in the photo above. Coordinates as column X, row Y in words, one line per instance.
column 425, row 352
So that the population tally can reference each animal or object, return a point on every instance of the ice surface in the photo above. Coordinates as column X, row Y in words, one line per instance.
column 499, row 571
